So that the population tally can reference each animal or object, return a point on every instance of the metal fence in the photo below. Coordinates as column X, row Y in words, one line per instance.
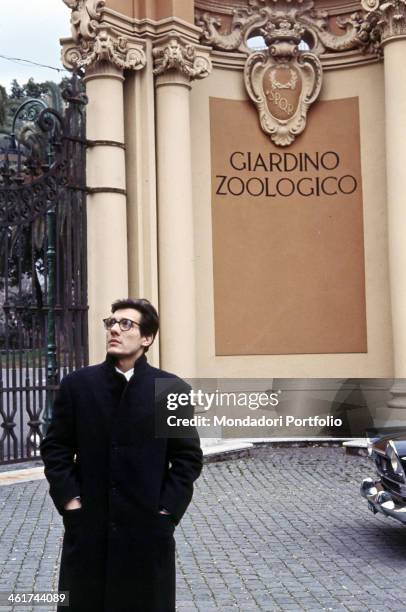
column 43, row 279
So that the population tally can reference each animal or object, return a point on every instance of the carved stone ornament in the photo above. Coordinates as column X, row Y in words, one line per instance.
column 105, row 47
column 386, row 17
column 246, row 22
column 283, row 82
column 93, row 42
column 180, row 57
column 85, row 17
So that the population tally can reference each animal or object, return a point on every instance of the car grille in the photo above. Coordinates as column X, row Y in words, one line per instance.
column 384, row 468
column 390, row 485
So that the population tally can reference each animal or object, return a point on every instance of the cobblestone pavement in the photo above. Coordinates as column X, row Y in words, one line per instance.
column 283, row 529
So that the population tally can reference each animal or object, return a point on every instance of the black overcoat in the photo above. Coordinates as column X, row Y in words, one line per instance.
column 118, row 551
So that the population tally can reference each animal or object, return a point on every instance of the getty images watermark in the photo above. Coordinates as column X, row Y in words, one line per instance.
column 242, row 408
column 250, row 400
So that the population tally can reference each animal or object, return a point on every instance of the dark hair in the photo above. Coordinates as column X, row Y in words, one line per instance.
column 149, row 322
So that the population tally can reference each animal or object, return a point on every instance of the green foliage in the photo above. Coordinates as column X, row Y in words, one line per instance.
column 34, row 90
column 17, row 91
column 48, row 91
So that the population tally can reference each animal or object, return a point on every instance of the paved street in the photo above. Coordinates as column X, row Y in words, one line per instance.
column 283, row 529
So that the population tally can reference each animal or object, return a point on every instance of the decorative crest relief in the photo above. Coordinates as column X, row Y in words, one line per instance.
column 283, row 82
column 284, row 79
column 247, row 21
column 181, row 57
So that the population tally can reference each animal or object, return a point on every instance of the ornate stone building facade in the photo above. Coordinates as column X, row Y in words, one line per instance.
column 246, row 174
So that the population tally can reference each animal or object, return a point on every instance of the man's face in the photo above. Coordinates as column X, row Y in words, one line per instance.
column 126, row 344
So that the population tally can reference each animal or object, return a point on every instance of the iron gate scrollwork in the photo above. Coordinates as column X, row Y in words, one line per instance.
column 43, row 281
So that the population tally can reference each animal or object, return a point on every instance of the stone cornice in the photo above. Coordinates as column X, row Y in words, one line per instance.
column 387, row 18
column 175, row 55
column 145, row 28
column 331, row 61
column 148, row 28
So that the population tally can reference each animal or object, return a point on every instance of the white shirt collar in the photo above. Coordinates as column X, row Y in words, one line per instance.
column 127, row 374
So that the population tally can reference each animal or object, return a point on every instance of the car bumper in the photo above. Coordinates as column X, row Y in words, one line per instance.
column 380, row 500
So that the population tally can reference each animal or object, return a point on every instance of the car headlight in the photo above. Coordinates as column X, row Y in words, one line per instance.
column 395, row 462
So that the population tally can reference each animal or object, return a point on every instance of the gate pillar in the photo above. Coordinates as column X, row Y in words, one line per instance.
column 389, row 18
column 177, row 64
column 104, row 53
column 106, row 201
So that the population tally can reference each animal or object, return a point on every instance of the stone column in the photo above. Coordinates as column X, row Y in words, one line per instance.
column 107, row 256
column 177, row 64
column 395, row 117
column 388, row 18
column 103, row 53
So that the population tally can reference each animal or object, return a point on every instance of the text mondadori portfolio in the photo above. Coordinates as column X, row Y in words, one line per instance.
column 251, row 421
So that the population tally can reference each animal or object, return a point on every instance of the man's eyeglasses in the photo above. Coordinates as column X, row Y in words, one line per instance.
column 125, row 324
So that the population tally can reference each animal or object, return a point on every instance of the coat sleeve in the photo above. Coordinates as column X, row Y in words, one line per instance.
column 185, row 458
column 58, row 450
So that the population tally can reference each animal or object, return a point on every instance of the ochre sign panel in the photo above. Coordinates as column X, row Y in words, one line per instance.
column 288, row 248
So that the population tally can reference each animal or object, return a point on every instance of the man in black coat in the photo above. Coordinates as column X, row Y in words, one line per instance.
column 120, row 489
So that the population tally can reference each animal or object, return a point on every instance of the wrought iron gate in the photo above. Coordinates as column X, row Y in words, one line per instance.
column 43, row 289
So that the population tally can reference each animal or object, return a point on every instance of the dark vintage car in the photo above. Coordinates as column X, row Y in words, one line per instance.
column 387, row 494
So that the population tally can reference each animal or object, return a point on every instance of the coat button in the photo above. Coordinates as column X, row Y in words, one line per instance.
column 113, row 527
